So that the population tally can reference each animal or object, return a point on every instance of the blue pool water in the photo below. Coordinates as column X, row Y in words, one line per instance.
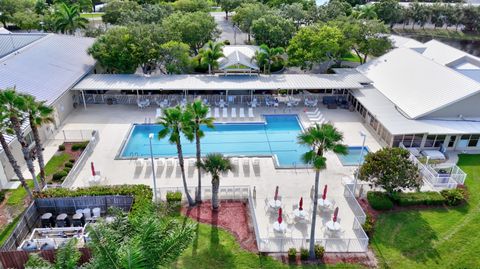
column 353, row 156
column 277, row 136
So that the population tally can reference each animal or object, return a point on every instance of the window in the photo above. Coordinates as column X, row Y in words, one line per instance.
column 396, row 140
column 473, row 140
column 417, row 140
column 430, row 141
column 451, row 142
column 439, row 141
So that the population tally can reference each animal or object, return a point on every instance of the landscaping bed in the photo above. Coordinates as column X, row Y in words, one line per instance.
column 232, row 216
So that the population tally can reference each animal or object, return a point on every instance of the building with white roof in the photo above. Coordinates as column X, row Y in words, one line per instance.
column 422, row 96
column 45, row 66
column 238, row 59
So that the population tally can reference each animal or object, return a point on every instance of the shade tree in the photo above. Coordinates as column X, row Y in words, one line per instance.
column 273, row 30
column 246, row 14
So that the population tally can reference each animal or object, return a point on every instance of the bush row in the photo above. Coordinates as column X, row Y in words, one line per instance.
column 79, row 146
column 304, row 253
column 383, row 201
column 142, row 195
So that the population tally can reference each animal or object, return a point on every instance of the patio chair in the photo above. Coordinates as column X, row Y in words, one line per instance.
column 138, row 163
column 241, row 113
column 192, row 163
column 235, row 163
column 148, row 162
column 250, row 113
column 158, row 113
column 159, row 162
column 256, row 162
column 225, row 112
column 246, row 162
column 170, row 162
column 234, row 113
column 217, row 113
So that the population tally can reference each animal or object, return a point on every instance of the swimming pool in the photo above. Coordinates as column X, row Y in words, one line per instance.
column 277, row 136
column 353, row 156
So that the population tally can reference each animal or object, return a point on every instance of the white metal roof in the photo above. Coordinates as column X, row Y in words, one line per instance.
column 48, row 67
column 416, row 84
column 405, row 42
column 443, row 53
column 216, row 82
column 237, row 58
column 387, row 114
column 11, row 42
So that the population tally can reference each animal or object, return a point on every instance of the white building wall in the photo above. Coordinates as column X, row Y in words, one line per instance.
column 469, row 107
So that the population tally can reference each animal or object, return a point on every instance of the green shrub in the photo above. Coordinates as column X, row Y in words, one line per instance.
column 418, row 198
column 319, row 252
column 142, row 195
column 61, row 147
column 72, row 160
column 58, row 176
column 369, row 225
column 69, row 164
column 379, row 200
column 453, row 197
column 67, row 169
column 2, row 196
column 79, row 146
column 304, row 254
column 292, row 254
column 174, row 196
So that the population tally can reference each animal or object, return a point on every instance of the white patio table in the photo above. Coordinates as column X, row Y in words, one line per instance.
column 333, row 226
column 279, row 227
column 301, row 214
column 275, row 203
column 324, row 203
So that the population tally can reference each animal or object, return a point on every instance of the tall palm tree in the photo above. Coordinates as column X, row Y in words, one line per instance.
column 38, row 114
column 216, row 163
column 199, row 113
column 14, row 105
column 11, row 159
column 175, row 122
column 210, row 54
column 320, row 139
column 365, row 12
column 266, row 56
column 68, row 19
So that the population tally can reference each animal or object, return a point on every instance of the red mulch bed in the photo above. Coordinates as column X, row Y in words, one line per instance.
column 232, row 216
column 69, row 151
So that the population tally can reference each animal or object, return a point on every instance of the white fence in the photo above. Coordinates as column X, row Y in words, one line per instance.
column 92, row 137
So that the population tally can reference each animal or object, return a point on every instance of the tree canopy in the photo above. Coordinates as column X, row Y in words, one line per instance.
column 388, row 11
column 273, row 30
column 174, row 58
column 116, row 9
column 390, row 169
column 246, row 14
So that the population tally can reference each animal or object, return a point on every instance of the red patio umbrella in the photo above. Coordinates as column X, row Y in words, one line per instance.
column 276, row 194
column 300, row 206
column 324, row 196
column 335, row 214
column 280, row 215
column 93, row 168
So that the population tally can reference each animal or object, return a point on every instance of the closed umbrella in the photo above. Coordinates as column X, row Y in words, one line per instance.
column 300, row 205
column 324, row 196
column 276, row 194
column 93, row 168
column 335, row 214
column 280, row 215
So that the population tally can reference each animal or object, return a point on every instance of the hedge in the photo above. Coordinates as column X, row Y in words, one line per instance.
column 78, row 146
column 174, row 196
column 454, row 197
column 418, row 198
column 59, row 176
column 142, row 195
column 379, row 200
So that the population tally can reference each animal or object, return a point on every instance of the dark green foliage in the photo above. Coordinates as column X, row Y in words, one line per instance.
column 292, row 254
column 79, row 146
column 67, row 169
column 304, row 254
column 369, row 225
column 453, row 197
column 379, row 200
column 418, row 198
column 142, row 195
column 59, row 176
column 174, row 197
column 69, row 164
column 2, row 196
column 72, row 160
column 61, row 147
column 319, row 252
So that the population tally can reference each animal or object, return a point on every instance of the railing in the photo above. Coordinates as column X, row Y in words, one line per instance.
column 131, row 99
column 353, row 203
column 25, row 225
column 80, row 163
column 239, row 192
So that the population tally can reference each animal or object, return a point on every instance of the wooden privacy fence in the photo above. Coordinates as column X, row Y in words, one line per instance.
column 18, row 258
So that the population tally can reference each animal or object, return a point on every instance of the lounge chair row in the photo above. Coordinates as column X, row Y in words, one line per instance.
column 172, row 162
column 233, row 113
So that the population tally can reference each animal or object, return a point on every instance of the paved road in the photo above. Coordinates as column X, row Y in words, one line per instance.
column 227, row 29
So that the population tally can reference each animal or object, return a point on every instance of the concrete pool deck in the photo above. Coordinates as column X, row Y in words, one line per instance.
column 114, row 122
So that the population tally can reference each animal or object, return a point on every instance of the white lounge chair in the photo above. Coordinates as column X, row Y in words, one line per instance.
column 170, row 162
column 241, row 113
column 250, row 112
column 256, row 162
column 217, row 113
column 148, row 162
column 158, row 114
column 138, row 163
column 225, row 112
column 192, row 163
column 159, row 163
column 234, row 113
column 209, row 113
column 314, row 112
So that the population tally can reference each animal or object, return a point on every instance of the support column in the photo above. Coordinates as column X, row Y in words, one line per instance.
column 84, row 102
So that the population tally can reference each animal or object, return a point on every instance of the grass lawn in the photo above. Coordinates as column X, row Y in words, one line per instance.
column 217, row 248
column 441, row 238
column 5, row 233
column 92, row 15
column 56, row 163
column 17, row 196
column 351, row 57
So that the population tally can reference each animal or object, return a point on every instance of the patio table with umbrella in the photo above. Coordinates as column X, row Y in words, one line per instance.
column 275, row 203
column 334, row 225
column 279, row 225
column 323, row 201
column 94, row 178
column 299, row 212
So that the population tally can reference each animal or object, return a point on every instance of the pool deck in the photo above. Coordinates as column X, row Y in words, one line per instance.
column 114, row 122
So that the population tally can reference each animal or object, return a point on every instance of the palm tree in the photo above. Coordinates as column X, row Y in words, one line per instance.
column 11, row 159
column 175, row 122
column 365, row 12
column 216, row 163
column 266, row 56
column 320, row 139
column 210, row 54
column 14, row 105
column 68, row 19
column 199, row 113
column 38, row 114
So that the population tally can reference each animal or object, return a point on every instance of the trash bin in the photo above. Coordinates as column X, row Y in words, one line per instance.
column 96, row 212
